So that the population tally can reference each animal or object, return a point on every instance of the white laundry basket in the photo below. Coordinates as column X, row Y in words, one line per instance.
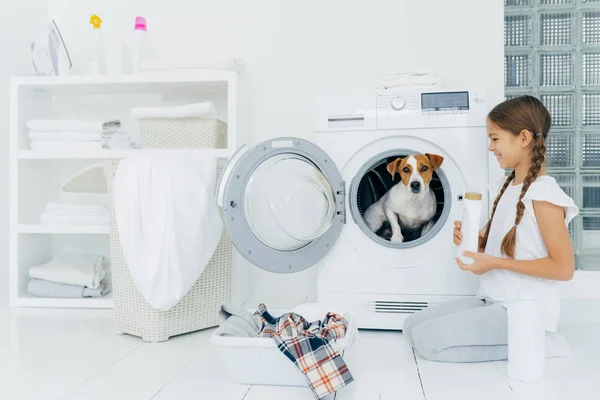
column 183, row 133
column 258, row 361
column 197, row 310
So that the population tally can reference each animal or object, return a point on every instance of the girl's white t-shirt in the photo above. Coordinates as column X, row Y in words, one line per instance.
column 504, row 286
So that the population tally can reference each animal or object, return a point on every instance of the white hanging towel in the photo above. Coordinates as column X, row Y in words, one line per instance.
column 168, row 221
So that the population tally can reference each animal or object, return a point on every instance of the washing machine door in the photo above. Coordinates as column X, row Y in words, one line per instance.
column 283, row 204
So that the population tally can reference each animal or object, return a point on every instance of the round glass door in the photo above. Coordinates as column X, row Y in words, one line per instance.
column 288, row 202
column 284, row 204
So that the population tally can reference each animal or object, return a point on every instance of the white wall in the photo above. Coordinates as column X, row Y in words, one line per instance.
column 297, row 51
column 20, row 22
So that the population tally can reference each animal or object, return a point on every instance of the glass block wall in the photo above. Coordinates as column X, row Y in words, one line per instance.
column 552, row 51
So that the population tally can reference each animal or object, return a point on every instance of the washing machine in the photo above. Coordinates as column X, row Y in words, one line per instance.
column 290, row 204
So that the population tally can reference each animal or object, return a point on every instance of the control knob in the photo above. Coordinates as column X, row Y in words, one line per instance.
column 398, row 103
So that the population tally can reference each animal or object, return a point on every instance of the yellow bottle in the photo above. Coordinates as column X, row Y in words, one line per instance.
column 96, row 48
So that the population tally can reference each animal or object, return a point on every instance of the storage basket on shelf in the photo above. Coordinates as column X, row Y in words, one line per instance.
column 197, row 310
column 189, row 132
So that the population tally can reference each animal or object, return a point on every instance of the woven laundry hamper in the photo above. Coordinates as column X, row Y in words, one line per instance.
column 183, row 133
column 197, row 310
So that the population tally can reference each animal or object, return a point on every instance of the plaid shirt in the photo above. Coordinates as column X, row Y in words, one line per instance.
column 311, row 347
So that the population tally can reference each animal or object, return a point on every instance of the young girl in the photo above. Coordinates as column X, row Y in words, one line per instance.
column 525, row 246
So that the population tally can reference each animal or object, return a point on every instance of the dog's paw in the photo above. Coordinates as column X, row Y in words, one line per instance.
column 426, row 227
column 397, row 239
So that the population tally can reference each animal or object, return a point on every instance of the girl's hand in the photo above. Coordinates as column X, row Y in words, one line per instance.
column 457, row 233
column 458, row 236
column 482, row 264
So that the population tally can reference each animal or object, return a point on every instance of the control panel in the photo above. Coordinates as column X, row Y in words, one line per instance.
column 413, row 106
column 398, row 102
column 418, row 101
column 445, row 102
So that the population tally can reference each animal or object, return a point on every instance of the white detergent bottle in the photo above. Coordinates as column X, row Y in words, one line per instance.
column 113, row 56
column 140, row 34
column 96, row 48
column 526, row 340
column 470, row 225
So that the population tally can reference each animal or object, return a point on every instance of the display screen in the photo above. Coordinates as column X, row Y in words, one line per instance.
column 445, row 101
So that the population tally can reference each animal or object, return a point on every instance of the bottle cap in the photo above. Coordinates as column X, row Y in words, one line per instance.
column 140, row 24
column 95, row 21
column 473, row 196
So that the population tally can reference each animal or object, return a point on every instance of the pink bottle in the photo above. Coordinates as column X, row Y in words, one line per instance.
column 139, row 40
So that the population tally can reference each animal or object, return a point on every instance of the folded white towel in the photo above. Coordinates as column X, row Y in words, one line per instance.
column 49, row 219
column 41, row 288
column 74, row 269
column 75, row 209
column 71, row 125
column 50, row 136
column 409, row 79
column 118, row 141
column 74, row 214
column 206, row 110
column 39, row 145
column 202, row 61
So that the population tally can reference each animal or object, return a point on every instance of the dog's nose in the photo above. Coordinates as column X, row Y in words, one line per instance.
column 415, row 186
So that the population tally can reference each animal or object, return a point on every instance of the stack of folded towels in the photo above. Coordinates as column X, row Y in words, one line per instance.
column 70, row 276
column 55, row 134
column 74, row 214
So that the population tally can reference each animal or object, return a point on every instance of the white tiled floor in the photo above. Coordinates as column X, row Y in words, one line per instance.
column 75, row 354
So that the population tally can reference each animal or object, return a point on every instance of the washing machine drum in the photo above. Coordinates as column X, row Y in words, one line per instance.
column 283, row 203
column 288, row 202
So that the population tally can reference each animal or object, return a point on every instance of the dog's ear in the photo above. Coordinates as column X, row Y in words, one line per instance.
column 436, row 160
column 393, row 167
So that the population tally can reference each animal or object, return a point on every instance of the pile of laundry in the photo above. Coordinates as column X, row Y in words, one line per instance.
column 70, row 276
column 74, row 214
column 76, row 135
column 309, row 345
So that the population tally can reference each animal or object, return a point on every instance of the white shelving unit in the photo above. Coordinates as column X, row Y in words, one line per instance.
column 63, row 229
column 36, row 176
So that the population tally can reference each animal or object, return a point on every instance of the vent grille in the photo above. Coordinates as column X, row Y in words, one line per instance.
column 393, row 307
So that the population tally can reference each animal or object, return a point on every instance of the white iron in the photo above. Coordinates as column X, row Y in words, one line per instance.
column 49, row 53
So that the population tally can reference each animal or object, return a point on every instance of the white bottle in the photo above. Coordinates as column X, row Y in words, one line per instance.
column 114, row 56
column 470, row 225
column 526, row 340
column 96, row 47
column 138, row 45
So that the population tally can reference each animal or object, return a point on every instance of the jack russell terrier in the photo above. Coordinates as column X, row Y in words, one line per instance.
column 410, row 200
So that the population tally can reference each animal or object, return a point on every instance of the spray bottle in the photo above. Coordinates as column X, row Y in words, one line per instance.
column 96, row 48
column 139, row 41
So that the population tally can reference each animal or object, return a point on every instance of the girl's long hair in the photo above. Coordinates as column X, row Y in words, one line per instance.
column 515, row 115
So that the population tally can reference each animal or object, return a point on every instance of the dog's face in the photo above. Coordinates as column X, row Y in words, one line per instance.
column 416, row 171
